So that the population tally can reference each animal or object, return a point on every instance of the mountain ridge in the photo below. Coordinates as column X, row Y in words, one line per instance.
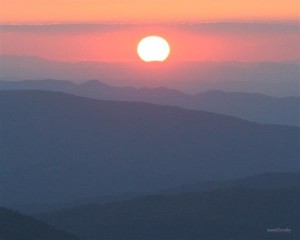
column 264, row 181
column 188, row 216
column 249, row 106
column 271, row 78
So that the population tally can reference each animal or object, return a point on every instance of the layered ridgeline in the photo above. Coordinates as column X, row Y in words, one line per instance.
column 247, row 208
column 16, row 226
column 271, row 78
column 265, row 181
column 249, row 106
column 58, row 148
column 224, row 214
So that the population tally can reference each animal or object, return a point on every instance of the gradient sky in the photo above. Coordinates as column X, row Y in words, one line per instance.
column 109, row 30
column 49, row 11
column 189, row 42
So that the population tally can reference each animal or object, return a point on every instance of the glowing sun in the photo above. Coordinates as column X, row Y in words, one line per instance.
column 153, row 49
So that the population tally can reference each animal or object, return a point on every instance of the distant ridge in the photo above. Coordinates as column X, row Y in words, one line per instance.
column 267, row 181
column 270, row 78
column 250, row 106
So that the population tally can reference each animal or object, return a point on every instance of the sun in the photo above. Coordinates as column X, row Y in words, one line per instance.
column 153, row 49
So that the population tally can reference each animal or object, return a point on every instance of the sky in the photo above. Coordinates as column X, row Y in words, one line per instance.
column 49, row 11
column 109, row 30
column 248, row 42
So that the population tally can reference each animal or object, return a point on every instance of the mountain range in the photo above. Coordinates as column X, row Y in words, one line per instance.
column 270, row 78
column 262, row 203
column 206, row 210
column 236, row 213
column 57, row 147
column 264, row 181
column 253, row 107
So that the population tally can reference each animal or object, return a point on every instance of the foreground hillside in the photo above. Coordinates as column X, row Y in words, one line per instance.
column 237, row 213
column 57, row 147
column 15, row 226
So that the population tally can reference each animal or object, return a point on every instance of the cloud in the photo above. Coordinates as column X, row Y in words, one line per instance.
column 64, row 28
column 241, row 27
column 202, row 27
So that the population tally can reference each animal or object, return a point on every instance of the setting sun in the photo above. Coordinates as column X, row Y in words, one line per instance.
column 153, row 49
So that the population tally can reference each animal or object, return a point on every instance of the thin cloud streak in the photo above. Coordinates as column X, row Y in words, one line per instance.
column 230, row 27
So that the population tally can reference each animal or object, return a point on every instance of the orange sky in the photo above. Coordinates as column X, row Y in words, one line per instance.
column 50, row 38
column 198, row 42
column 49, row 11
